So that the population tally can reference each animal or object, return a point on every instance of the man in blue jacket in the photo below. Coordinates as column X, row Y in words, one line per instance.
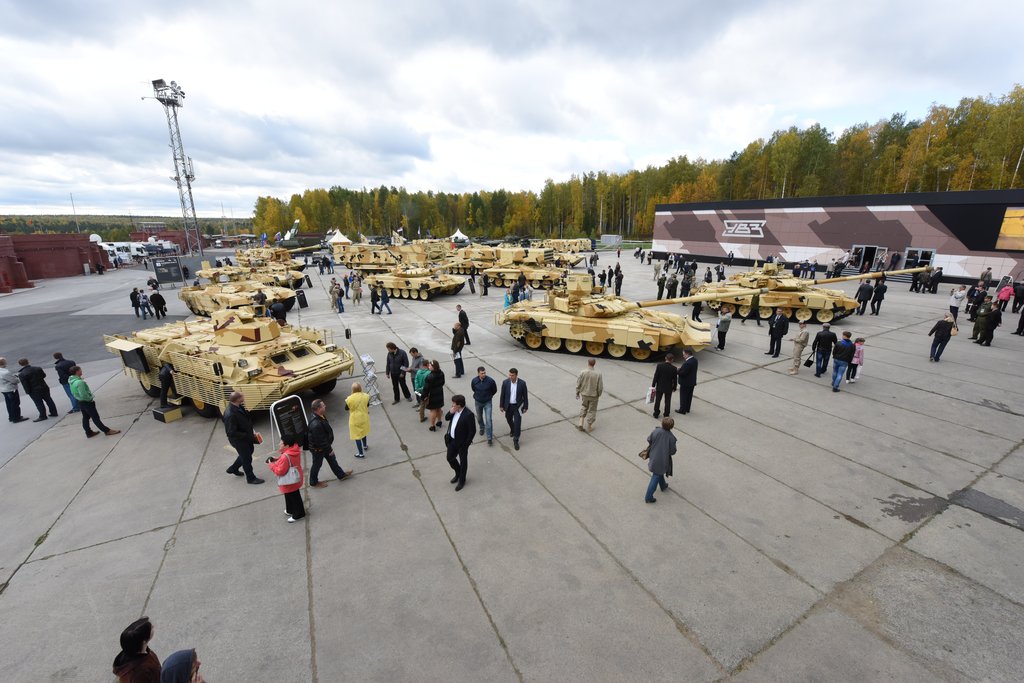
column 841, row 357
column 484, row 388
column 514, row 402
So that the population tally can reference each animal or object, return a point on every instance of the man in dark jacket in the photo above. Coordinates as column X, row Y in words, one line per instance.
column 134, row 296
column 458, row 436
column 458, row 341
column 395, row 368
column 514, row 402
column 320, row 442
column 687, row 380
column 863, row 296
column 934, row 280
column 778, row 327
column 63, row 367
column 989, row 324
column 242, row 437
column 484, row 388
column 841, row 357
column 878, row 295
column 464, row 321
column 159, row 304
column 166, row 375
column 664, row 384
column 278, row 312
column 33, row 380
column 822, row 347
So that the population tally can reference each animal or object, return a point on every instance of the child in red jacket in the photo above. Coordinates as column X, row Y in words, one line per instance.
column 288, row 468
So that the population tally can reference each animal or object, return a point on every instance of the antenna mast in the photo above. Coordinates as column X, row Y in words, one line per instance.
column 171, row 96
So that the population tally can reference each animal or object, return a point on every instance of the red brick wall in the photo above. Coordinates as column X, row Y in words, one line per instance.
column 12, row 271
column 46, row 256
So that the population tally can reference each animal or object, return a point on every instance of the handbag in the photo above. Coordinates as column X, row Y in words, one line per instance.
column 953, row 332
column 810, row 360
column 645, row 453
column 290, row 477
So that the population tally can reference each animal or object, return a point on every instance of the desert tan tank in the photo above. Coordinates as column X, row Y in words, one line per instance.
column 416, row 283
column 219, row 296
column 464, row 260
column 366, row 258
column 233, row 351
column 261, row 256
column 537, row 277
column 577, row 319
column 276, row 275
column 799, row 299
column 567, row 245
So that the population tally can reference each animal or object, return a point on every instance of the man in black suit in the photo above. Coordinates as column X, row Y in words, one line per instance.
column 242, row 437
column 464, row 321
column 864, row 296
column 458, row 438
column 778, row 327
column 687, row 378
column 664, row 384
column 878, row 296
column 514, row 402
column 33, row 380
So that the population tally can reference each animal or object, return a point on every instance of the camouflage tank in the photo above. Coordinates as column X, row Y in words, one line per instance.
column 278, row 276
column 577, row 319
column 262, row 256
column 568, row 245
column 800, row 299
column 416, row 283
column 533, row 264
column 366, row 258
column 233, row 351
column 207, row 299
column 464, row 260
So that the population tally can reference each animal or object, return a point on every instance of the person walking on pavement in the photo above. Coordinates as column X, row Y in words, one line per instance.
column 842, row 355
column 358, row 407
column 942, row 331
column 778, row 327
column 722, row 326
column 799, row 344
column 687, row 380
column 878, row 295
column 589, row 387
column 9, row 383
column 384, row 299
column 87, row 402
column 458, row 437
column 375, row 301
column 698, row 306
column 989, row 324
column 464, row 321
column 660, row 449
column 661, row 286
column 664, row 383
column 754, row 312
column 33, row 380
column 863, row 296
column 458, row 342
column 63, row 367
column 981, row 315
column 856, row 362
column 134, row 296
column 822, row 347
column 514, row 402
column 320, row 440
column 159, row 304
column 484, row 388
column 433, row 394
column 396, row 366
column 242, row 437
column 144, row 305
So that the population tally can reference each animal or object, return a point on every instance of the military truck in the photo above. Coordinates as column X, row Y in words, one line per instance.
column 233, row 351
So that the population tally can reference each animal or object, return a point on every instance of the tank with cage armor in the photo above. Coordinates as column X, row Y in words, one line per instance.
column 218, row 296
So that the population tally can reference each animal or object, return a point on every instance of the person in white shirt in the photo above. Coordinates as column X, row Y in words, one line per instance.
column 458, row 437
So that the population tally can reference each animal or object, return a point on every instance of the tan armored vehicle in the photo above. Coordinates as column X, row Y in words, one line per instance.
column 206, row 299
column 576, row 319
column 233, row 351
column 276, row 275
column 262, row 256
column 799, row 299
column 567, row 245
column 436, row 250
column 467, row 258
column 534, row 264
column 416, row 283
column 366, row 258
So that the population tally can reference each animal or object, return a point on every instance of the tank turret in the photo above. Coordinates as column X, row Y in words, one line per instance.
column 576, row 318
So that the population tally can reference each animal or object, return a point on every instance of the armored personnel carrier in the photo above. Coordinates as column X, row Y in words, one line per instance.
column 534, row 264
column 207, row 299
column 233, row 351
column 416, row 283
column 577, row 319
column 799, row 299
column 262, row 256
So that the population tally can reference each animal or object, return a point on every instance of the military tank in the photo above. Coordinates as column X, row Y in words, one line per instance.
column 464, row 260
column 207, row 299
column 276, row 275
column 257, row 257
column 576, row 319
column 534, row 264
column 366, row 258
column 416, row 283
column 233, row 351
column 799, row 299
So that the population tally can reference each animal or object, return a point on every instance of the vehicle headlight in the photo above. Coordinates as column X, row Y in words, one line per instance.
column 331, row 347
column 254, row 372
column 243, row 363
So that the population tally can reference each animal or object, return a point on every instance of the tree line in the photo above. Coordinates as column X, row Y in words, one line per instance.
column 976, row 145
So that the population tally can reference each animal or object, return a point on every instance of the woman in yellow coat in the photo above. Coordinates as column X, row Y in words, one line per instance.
column 358, row 407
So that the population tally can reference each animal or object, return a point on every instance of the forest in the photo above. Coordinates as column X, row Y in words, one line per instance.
column 978, row 144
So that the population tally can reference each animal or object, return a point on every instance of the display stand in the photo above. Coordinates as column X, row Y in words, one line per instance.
column 287, row 415
column 370, row 379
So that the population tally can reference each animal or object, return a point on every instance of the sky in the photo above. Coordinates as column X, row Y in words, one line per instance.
column 452, row 95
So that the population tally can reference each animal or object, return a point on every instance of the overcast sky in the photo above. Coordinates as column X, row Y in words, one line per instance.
column 453, row 96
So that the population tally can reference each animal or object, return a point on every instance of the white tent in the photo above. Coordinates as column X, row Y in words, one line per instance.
column 338, row 238
column 458, row 236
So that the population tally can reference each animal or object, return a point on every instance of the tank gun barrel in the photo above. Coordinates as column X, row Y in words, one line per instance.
column 874, row 274
column 739, row 296
column 309, row 247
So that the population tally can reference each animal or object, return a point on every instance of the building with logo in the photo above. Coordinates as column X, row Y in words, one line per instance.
column 963, row 232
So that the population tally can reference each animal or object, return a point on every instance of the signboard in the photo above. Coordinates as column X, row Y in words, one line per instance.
column 167, row 270
column 289, row 417
column 752, row 229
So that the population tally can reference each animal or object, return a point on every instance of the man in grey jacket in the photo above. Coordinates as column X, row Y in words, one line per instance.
column 661, row 447
column 9, row 386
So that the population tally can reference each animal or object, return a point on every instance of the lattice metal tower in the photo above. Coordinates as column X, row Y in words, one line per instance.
column 172, row 97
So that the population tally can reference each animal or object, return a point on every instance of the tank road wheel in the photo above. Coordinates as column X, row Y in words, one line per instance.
column 640, row 354
column 535, row 284
column 498, row 282
column 744, row 310
column 552, row 343
column 424, row 294
column 803, row 314
column 788, row 312
column 824, row 315
column 765, row 312
column 595, row 348
column 533, row 340
column 573, row 345
column 325, row 388
column 617, row 350
column 205, row 409
column 728, row 308
column 151, row 391
column 714, row 305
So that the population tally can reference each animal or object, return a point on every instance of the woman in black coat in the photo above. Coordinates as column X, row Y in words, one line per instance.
column 942, row 331
column 433, row 392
